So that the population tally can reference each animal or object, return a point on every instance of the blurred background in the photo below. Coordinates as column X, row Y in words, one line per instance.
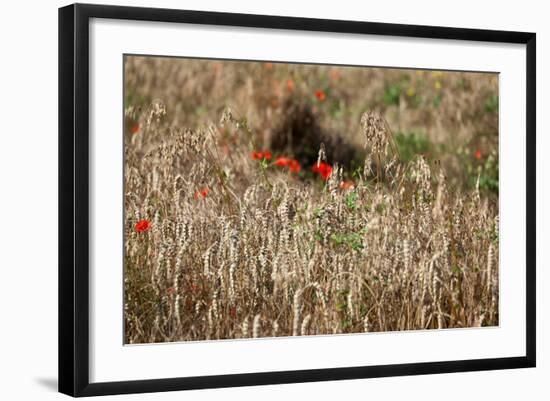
column 449, row 117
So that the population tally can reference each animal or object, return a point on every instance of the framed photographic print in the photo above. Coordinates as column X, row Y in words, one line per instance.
column 249, row 199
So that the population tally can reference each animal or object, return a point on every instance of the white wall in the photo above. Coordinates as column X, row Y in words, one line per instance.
column 28, row 199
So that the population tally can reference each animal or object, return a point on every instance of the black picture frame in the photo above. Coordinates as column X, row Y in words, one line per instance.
column 74, row 194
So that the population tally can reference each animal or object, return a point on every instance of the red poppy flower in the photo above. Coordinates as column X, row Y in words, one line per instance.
column 261, row 155
column 294, row 166
column 282, row 161
column 319, row 94
column 347, row 184
column 477, row 154
column 142, row 225
column 268, row 66
column 290, row 85
column 134, row 129
column 323, row 169
column 202, row 193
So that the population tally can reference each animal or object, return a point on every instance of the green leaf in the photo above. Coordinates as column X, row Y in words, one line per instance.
column 351, row 200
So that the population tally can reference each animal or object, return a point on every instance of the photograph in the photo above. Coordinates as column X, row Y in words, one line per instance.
column 273, row 199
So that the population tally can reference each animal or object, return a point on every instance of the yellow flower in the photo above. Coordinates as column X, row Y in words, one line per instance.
column 410, row 92
column 437, row 85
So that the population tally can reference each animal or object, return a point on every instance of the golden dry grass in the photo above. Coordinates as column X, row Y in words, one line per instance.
column 239, row 247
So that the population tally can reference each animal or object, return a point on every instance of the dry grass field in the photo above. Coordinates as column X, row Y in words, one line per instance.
column 266, row 199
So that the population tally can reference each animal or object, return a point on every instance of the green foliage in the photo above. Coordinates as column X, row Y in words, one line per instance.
column 340, row 306
column 341, row 301
column 134, row 99
column 491, row 104
column 317, row 212
column 461, row 83
column 437, row 100
column 336, row 107
column 392, row 94
column 357, row 172
column 318, row 235
column 264, row 164
column 353, row 239
column 409, row 145
column 347, row 324
column 416, row 100
column 480, row 166
column 488, row 173
column 351, row 200
column 489, row 181
column 380, row 208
